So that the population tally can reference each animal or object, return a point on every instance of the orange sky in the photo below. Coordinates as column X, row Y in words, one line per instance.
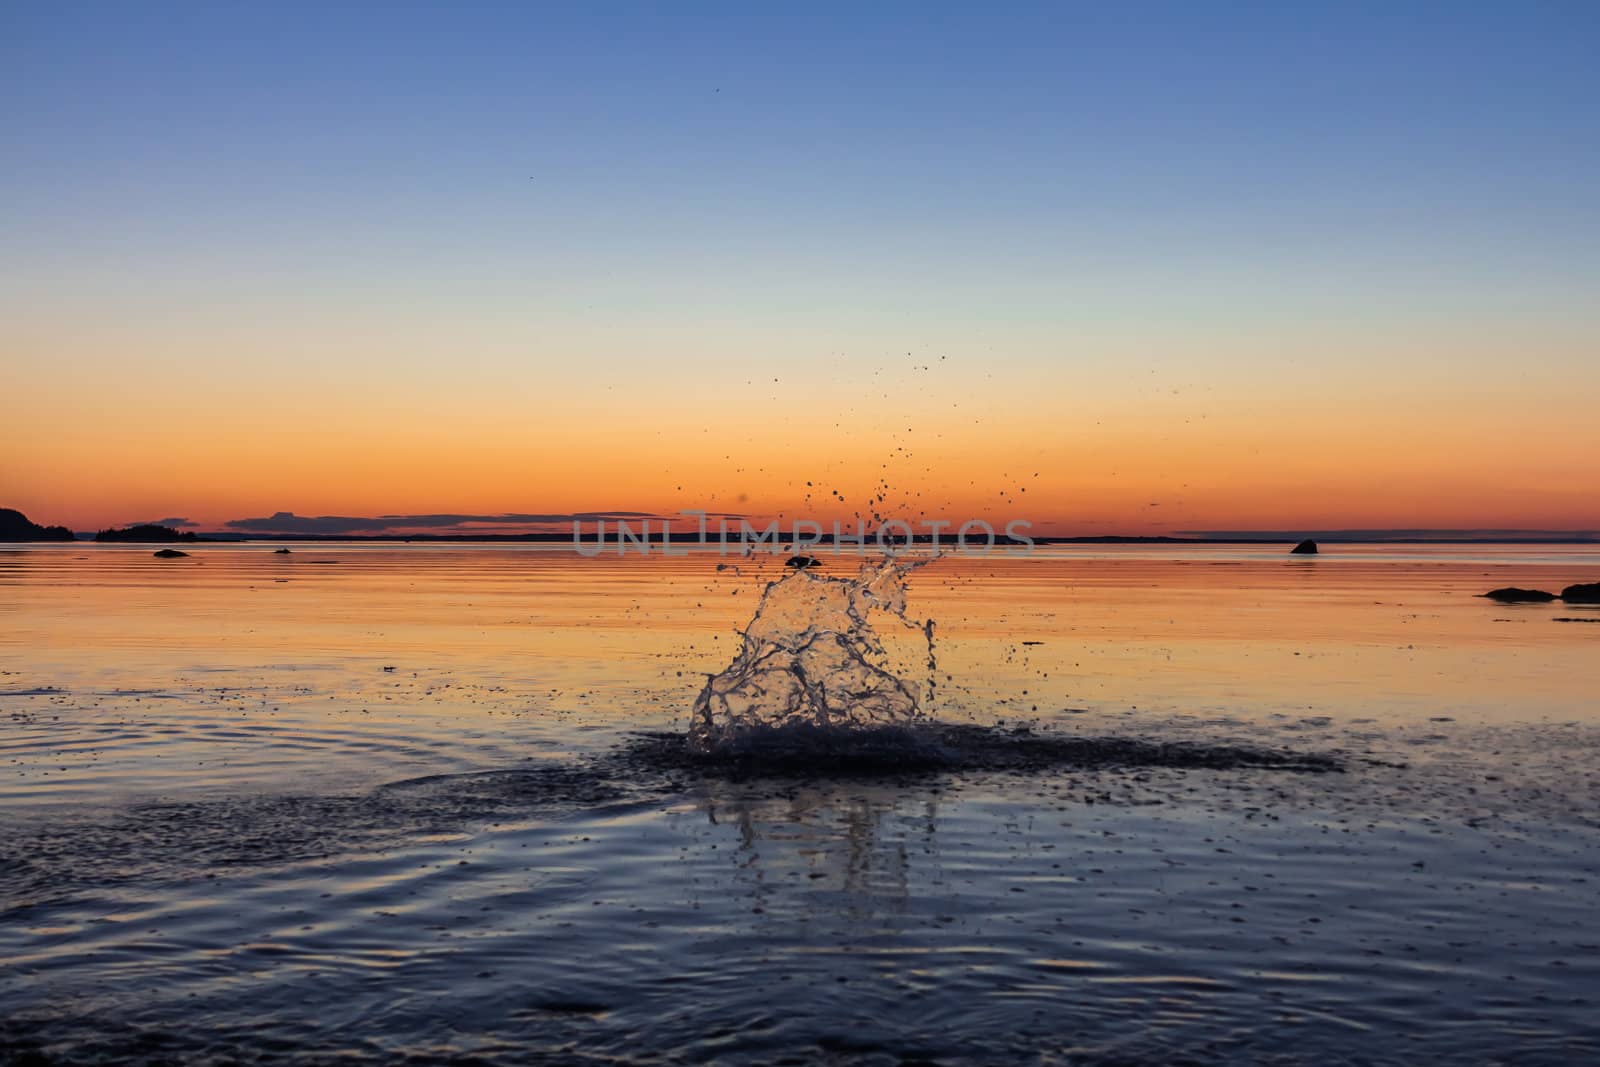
column 103, row 426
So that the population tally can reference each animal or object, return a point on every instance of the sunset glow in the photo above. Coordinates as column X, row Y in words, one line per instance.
column 702, row 275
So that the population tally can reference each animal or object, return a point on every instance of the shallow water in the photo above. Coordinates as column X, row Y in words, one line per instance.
column 391, row 801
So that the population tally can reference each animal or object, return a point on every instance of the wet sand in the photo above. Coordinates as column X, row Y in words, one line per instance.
column 231, row 833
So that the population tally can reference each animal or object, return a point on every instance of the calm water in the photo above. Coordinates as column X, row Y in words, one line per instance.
column 366, row 801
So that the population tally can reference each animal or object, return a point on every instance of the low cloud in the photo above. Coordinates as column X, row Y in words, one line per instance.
column 287, row 522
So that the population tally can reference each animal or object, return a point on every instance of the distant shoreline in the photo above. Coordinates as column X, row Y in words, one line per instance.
column 827, row 540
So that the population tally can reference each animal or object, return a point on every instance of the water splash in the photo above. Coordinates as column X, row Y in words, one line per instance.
column 811, row 691
column 811, row 665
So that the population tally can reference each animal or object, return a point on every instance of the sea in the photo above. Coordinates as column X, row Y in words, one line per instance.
column 421, row 803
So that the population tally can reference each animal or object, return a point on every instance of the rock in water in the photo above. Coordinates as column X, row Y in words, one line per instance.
column 1307, row 547
column 1512, row 595
column 802, row 562
column 281, row 552
column 1583, row 593
column 169, row 553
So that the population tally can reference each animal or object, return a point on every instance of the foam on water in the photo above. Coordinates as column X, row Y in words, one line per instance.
column 810, row 665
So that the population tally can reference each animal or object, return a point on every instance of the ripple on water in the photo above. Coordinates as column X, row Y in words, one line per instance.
column 1141, row 902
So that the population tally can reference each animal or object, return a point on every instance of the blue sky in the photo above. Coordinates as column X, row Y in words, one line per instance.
column 1056, row 136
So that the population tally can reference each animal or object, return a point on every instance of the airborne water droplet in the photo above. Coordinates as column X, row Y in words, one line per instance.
column 810, row 662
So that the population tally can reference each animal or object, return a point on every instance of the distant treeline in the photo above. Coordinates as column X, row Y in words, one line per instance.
column 145, row 534
column 15, row 526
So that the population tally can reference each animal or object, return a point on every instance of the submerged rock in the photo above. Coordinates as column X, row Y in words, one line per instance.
column 1583, row 593
column 169, row 553
column 1513, row 595
column 1307, row 547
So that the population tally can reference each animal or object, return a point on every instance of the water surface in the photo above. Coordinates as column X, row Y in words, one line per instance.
column 366, row 800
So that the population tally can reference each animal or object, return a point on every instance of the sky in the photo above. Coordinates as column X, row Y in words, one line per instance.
column 1134, row 268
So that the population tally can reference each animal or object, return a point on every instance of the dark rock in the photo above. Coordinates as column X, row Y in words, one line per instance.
column 146, row 534
column 15, row 526
column 1307, row 547
column 281, row 552
column 802, row 562
column 1585, row 593
column 169, row 553
column 1512, row 595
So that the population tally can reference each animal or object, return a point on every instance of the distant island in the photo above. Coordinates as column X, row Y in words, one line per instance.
column 145, row 534
column 15, row 526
